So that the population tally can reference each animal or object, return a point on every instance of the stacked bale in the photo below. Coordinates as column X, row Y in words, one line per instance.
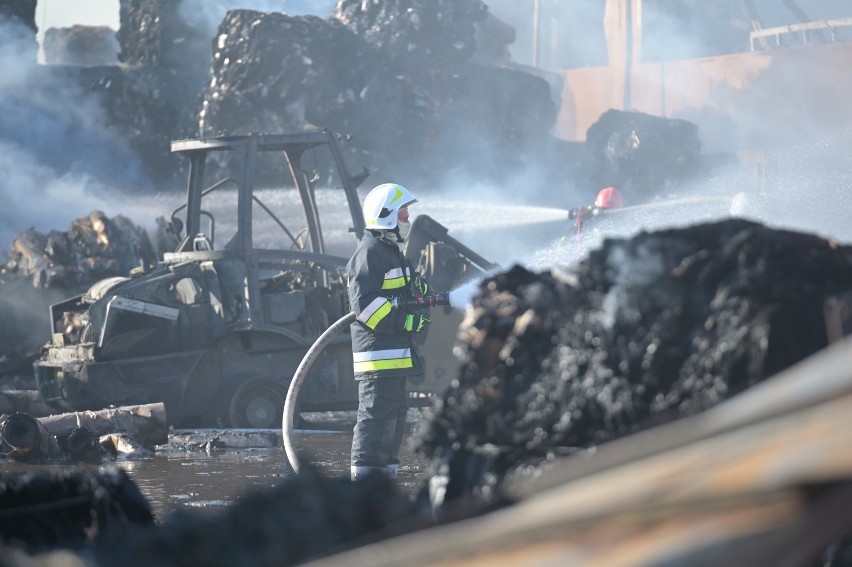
column 275, row 73
column 427, row 37
column 398, row 76
column 169, row 59
column 641, row 332
column 80, row 45
column 475, row 116
column 640, row 154
column 18, row 28
column 155, row 33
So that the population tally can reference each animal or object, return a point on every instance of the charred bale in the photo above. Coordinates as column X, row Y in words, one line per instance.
column 72, row 508
column 142, row 110
column 640, row 153
column 80, row 45
column 275, row 73
column 505, row 115
column 139, row 33
column 111, row 123
column 306, row 517
column 641, row 332
column 18, row 28
column 426, row 37
column 493, row 38
column 155, row 33
column 379, row 71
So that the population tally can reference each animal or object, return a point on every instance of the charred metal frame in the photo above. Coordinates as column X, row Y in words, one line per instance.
column 292, row 147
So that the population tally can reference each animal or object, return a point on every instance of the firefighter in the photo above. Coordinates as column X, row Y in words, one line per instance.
column 383, row 287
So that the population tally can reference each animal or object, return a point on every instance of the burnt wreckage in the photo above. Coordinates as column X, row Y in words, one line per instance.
column 217, row 329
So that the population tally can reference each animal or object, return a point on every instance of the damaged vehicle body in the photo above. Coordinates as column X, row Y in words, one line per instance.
column 218, row 328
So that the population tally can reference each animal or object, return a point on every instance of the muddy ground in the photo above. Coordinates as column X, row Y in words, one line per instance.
column 186, row 476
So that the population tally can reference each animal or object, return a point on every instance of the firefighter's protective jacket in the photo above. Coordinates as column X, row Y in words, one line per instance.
column 378, row 275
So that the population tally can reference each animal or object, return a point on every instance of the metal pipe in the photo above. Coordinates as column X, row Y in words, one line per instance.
column 536, row 25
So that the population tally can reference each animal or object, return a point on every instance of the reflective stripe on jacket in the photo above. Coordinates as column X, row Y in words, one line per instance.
column 379, row 276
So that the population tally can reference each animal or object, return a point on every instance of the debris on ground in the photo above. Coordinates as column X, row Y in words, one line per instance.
column 210, row 440
column 131, row 432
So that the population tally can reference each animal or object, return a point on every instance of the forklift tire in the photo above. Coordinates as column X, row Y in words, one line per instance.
column 258, row 403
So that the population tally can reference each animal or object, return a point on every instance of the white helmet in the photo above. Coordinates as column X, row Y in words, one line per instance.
column 383, row 203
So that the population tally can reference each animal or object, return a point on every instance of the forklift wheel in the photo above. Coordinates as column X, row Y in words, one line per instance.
column 257, row 404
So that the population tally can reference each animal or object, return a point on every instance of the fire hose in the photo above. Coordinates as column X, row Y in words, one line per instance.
column 422, row 302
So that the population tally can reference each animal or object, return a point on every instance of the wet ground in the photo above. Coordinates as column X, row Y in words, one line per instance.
column 183, row 478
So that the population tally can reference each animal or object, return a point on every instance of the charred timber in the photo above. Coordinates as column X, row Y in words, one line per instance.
column 146, row 423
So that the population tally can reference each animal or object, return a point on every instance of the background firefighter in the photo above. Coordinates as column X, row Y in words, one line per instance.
column 383, row 292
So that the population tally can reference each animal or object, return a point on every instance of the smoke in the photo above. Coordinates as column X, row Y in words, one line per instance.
column 21, row 305
column 570, row 33
column 56, row 148
column 49, row 128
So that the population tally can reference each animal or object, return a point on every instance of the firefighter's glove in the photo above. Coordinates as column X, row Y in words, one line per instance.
column 416, row 323
column 419, row 287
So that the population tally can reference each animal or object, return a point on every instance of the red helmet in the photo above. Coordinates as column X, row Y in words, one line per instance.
column 609, row 198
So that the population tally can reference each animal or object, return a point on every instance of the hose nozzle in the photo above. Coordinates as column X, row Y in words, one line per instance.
column 424, row 301
column 434, row 300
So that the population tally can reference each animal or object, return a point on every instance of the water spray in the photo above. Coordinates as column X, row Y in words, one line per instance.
column 458, row 298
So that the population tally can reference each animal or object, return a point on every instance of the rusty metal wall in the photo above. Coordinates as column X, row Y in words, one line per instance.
column 742, row 102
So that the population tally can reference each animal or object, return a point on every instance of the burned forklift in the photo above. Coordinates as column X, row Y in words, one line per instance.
column 216, row 330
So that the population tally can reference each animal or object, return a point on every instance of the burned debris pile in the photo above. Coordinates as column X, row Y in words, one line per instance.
column 92, row 116
column 41, row 269
column 93, row 248
column 68, row 509
column 641, row 332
